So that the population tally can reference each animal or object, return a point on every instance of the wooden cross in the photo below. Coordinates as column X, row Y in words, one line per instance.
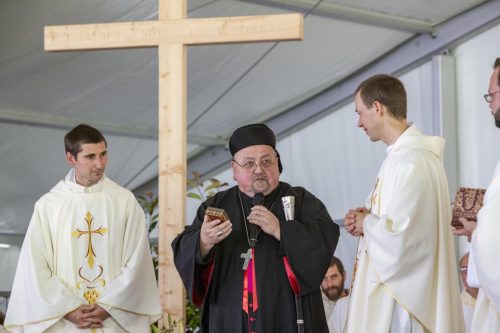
column 171, row 33
column 90, row 250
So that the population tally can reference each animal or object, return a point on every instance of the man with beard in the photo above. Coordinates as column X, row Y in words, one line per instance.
column 333, row 286
column 485, row 236
column 251, row 269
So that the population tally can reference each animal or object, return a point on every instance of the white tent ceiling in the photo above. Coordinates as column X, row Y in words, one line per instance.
column 44, row 94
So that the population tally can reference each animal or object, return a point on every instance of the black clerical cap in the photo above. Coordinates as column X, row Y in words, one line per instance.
column 252, row 135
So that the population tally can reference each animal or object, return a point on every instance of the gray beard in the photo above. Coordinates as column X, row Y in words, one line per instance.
column 496, row 115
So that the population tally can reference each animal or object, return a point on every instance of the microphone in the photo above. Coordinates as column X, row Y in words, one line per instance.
column 258, row 200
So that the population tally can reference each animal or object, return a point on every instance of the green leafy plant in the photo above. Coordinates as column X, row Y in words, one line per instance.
column 202, row 190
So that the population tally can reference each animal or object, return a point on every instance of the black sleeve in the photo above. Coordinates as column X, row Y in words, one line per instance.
column 309, row 241
column 194, row 271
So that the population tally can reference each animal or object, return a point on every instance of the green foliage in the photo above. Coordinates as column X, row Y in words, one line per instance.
column 171, row 325
column 149, row 202
column 201, row 191
column 193, row 316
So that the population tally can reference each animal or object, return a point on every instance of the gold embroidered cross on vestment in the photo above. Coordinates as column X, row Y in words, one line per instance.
column 90, row 250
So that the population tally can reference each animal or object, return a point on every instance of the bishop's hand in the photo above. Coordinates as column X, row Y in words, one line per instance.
column 213, row 232
column 264, row 218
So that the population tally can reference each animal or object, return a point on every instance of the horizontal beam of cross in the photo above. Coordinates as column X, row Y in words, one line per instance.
column 240, row 29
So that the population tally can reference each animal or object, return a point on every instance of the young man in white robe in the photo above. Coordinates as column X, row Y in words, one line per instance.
column 483, row 269
column 405, row 276
column 85, row 264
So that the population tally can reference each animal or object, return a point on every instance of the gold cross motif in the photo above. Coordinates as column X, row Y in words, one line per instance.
column 373, row 196
column 90, row 251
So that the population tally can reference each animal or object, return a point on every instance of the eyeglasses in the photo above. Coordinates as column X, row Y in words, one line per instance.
column 489, row 97
column 265, row 164
column 462, row 269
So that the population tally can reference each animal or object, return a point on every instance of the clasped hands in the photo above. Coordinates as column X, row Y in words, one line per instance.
column 354, row 219
column 88, row 316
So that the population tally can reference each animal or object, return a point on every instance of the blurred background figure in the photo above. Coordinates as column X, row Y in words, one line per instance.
column 332, row 287
column 468, row 294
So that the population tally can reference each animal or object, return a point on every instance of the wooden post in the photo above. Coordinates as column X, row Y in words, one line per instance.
column 172, row 161
column 171, row 33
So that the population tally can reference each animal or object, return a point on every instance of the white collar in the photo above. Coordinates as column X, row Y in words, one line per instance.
column 70, row 181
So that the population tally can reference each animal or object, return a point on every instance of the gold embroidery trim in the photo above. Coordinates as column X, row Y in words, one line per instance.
column 129, row 311
column 393, row 295
column 373, row 199
column 40, row 321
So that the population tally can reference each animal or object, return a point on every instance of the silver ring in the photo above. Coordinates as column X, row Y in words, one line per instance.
column 218, row 234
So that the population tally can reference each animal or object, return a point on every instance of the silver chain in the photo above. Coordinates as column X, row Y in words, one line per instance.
column 244, row 218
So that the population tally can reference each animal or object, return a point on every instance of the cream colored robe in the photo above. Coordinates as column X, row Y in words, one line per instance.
column 406, row 277
column 468, row 304
column 485, row 246
column 61, row 267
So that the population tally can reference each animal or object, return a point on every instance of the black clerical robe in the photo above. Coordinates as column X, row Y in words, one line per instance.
column 216, row 283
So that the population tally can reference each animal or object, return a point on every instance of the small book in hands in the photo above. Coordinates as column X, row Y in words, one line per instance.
column 216, row 214
column 468, row 202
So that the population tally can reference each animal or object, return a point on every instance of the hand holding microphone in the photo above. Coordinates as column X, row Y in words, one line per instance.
column 261, row 217
column 253, row 232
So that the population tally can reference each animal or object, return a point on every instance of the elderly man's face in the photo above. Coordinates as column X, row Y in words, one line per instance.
column 462, row 267
column 494, row 89
column 255, row 169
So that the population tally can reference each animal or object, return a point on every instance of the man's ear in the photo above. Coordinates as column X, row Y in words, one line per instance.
column 379, row 107
column 234, row 171
column 70, row 158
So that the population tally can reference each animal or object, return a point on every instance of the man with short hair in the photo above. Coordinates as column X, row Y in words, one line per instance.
column 333, row 291
column 246, row 286
column 333, row 285
column 85, row 264
column 405, row 274
column 485, row 236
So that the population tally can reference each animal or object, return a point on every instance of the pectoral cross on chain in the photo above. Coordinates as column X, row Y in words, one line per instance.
column 247, row 256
